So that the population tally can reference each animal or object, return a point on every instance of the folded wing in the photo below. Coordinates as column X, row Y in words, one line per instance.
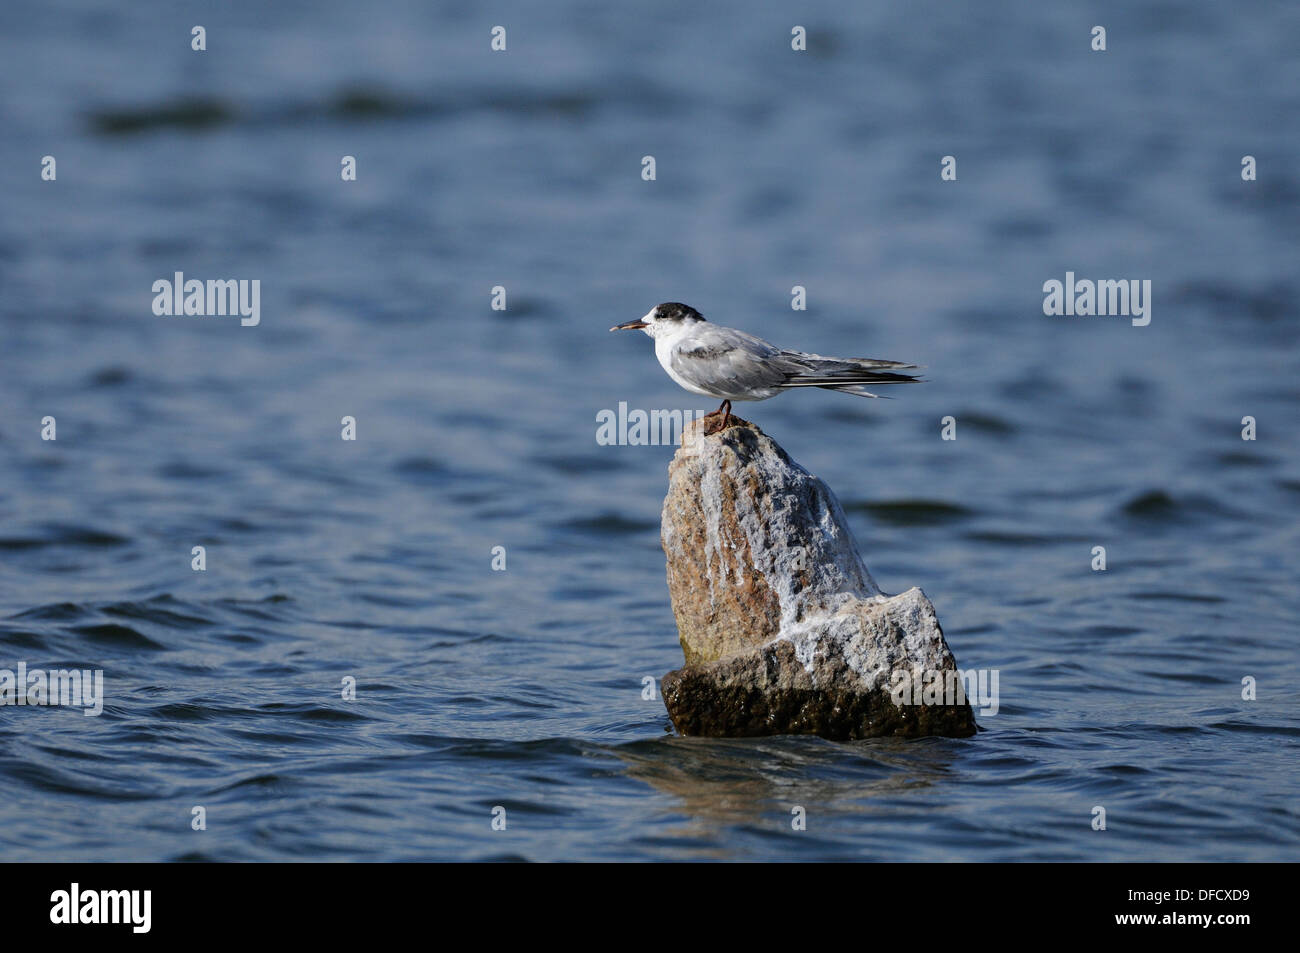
column 732, row 363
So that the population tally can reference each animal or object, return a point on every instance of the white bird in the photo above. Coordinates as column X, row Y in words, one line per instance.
column 722, row 362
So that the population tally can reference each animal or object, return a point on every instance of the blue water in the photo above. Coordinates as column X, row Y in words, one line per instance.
column 476, row 428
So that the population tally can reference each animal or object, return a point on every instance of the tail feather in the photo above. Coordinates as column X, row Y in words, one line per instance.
column 857, row 390
column 847, row 375
column 838, row 380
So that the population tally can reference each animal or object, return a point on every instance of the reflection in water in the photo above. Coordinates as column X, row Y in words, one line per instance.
column 721, row 783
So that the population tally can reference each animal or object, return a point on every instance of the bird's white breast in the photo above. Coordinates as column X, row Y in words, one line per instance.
column 664, row 352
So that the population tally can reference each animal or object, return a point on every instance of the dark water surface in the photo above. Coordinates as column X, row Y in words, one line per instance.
column 522, row 688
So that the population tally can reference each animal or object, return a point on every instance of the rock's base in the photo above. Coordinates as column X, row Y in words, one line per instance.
column 767, row 690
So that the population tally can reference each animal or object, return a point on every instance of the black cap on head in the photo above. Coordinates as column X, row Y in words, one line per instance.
column 676, row 311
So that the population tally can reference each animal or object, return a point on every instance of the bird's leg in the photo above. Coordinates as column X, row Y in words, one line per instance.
column 725, row 410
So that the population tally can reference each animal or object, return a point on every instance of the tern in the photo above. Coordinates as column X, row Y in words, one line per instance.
column 720, row 362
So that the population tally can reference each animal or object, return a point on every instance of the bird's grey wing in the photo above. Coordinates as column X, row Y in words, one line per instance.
column 730, row 363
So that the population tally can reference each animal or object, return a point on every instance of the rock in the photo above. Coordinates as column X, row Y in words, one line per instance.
column 783, row 628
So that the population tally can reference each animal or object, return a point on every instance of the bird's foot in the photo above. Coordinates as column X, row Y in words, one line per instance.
column 722, row 419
